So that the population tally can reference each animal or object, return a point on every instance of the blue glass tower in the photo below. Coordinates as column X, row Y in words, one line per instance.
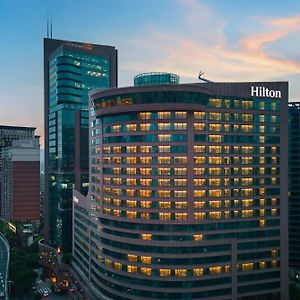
column 71, row 70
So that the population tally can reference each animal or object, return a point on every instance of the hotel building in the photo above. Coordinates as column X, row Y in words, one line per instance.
column 294, row 184
column 71, row 70
column 188, row 192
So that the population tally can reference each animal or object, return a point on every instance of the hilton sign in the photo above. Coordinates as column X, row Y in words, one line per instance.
column 261, row 91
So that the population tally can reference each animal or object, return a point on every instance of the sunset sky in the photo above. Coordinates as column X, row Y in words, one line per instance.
column 229, row 40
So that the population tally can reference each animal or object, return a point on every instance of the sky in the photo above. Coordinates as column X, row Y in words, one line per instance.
column 228, row 40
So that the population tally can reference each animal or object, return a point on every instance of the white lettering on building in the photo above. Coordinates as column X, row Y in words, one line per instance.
column 261, row 91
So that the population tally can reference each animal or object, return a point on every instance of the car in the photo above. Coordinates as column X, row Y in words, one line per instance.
column 45, row 294
column 2, row 294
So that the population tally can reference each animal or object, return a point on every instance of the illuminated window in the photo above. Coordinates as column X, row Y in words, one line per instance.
column 215, row 138
column 247, row 104
column 214, row 182
column 215, row 127
column 198, row 272
column 145, row 181
column 181, row 216
column 145, row 115
column 145, row 193
column 180, row 171
column 262, row 264
column 164, row 171
column 180, row 159
column 199, row 193
column 146, row 236
column 247, row 213
column 273, row 212
column 215, row 215
column 180, row 114
column 164, row 216
column 145, row 160
column 199, row 215
column 131, row 257
column 164, row 204
column 274, row 252
column 199, row 115
column 131, row 149
column 215, row 149
column 164, row 160
column 215, row 270
column 199, row 182
column 198, row 237
column 215, row 193
column 199, row 149
column 106, row 150
column 164, row 272
column 164, row 115
column 131, row 214
column 273, row 201
column 247, row 202
column 262, row 223
column 146, row 204
column 164, row 148
column 247, row 267
column 247, row 117
column 215, row 171
column 146, row 259
column 180, row 194
column 180, row 126
column 164, row 193
column 163, row 126
column 117, row 213
column 164, row 182
column 130, row 192
column 145, row 127
column 181, row 204
column 199, row 126
column 199, row 204
column 199, row 171
column 227, row 214
column 215, row 116
column 131, row 127
column 145, row 171
column 116, row 128
column 180, row 272
column 131, row 171
column 215, row 102
column 145, row 149
column 117, row 170
column 132, row 269
column 180, row 182
column 261, row 139
column 146, row 271
column 118, row 265
column 246, row 128
column 146, row 216
column 108, row 262
column 130, row 203
column 117, row 202
column 274, row 264
column 215, row 204
column 200, row 159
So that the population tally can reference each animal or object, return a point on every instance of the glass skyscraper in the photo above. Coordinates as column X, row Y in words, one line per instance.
column 71, row 70
column 188, row 192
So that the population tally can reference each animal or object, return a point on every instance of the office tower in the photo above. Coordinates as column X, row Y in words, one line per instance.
column 71, row 70
column 188, row 192
column 294, row 184
column 7, row 135
column 20, row 181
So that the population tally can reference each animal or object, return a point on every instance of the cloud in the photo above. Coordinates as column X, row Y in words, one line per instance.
column 204, row 45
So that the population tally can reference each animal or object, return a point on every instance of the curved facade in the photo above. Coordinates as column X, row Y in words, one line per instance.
column 155, row 78
column 186, row 194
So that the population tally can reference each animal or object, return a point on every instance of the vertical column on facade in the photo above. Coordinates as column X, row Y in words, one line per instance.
column 100, row 163
column 234, row 282
column 190, row 165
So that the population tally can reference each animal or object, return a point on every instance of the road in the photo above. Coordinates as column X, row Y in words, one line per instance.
column 4, row 262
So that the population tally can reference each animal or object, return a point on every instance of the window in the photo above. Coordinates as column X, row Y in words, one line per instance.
column 132, row 269
column 215, row 270
column 146, row 236
column 199, row 115
column 145, row 115
column 131, row 257
column 164, row 272
column 181, row 216
column 199, row 204
column 199, row 126
column 198, row 237
column 199, row 215
column 164, row 204
column 146, row 259
column 164, row 216
column 146, row 271
column 180, row 272
column 145, row 127
column 198, row 272
column 164, row 115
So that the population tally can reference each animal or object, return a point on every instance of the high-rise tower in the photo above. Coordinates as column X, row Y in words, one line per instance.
column 188, row 192
column 71, row 70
